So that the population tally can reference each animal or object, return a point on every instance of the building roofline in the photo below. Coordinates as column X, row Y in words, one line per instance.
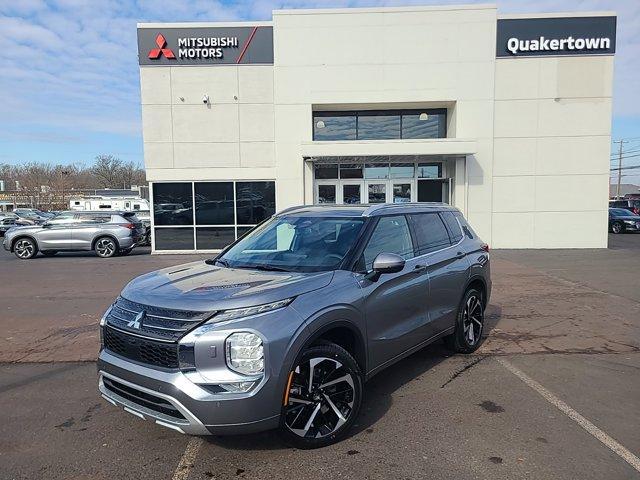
column 204, row 24
column 414, row 8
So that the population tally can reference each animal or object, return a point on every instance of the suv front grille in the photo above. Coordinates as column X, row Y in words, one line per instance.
column 141, row 350
column 152, row 322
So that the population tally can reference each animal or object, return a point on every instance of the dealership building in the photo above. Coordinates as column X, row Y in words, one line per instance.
column 507, row 117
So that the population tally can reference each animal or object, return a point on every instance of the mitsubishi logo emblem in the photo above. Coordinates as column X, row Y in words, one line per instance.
column 161, row 42
column 137, row 321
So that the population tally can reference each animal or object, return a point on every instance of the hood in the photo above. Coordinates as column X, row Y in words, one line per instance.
column 202, row 287
column 25, row 228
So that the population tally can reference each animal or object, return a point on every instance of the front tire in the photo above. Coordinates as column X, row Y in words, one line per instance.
column 323, row 397
column 106, row 247
column 25, row 248
column 469, row 323
column 617, row 227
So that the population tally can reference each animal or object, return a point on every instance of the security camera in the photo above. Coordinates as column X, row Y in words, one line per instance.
column 205, row 99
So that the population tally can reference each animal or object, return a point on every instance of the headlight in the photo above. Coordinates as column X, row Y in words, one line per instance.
column 245, row 353
column 246, row 312
column 630, row 222
column 103, row 320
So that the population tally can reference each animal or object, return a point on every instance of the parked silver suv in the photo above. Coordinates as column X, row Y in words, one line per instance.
column 108, row 233
column 282, row 329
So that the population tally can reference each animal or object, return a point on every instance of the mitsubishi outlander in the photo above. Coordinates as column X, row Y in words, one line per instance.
column 283, row 327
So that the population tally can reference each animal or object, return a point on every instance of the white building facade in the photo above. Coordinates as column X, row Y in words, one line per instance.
column 507, row 118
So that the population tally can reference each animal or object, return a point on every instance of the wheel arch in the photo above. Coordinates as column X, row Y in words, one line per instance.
column 103, row 235
column 19, row 237
column 477, row 281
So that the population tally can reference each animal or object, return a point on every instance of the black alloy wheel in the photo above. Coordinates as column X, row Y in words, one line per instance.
column 469, row 323
column 323, row 397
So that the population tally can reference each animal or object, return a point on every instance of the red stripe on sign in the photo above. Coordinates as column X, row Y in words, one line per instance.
column 246, row 45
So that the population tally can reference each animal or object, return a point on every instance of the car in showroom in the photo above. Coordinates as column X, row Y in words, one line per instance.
column 284, row 326
column 621, row 221
column 106, row 233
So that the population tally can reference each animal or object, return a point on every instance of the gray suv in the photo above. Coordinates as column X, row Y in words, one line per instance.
column 107, row 233
column 284, row 326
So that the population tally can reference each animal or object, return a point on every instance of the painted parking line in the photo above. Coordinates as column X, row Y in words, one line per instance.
column 609, row 442
column 188, row 457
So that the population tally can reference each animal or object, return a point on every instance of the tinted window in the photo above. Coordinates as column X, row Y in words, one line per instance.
column 326, row 194
column 214, row 238
column 255, row 201
column 391, row 235
column 214, row 203
column 174, row 238
column 378, row 125
column 431, row 234
column 425, row 124
column 172, row 204
column 452, row 225
column 334, row 126
column 350, row 171
column 323, row 172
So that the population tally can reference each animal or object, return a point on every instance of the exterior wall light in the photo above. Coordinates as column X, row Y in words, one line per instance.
column 423, row 117
column 205, row 99
column 320, row 124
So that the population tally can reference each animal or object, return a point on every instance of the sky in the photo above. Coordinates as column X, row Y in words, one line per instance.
column 69, row 70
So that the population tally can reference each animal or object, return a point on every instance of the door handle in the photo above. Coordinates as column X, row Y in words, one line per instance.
column 419, row 268
column 461, row 255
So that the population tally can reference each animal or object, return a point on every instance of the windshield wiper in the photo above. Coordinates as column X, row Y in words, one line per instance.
column 268, row 268
column 219, row 261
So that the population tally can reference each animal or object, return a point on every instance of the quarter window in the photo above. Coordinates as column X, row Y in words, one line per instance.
column 391, row 235
column 431, row 234
column 452, row 225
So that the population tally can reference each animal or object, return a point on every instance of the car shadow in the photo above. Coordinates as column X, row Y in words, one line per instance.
column 378, row 399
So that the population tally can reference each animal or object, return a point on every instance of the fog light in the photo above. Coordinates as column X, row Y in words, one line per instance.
column 245, row 353
column 237, row 387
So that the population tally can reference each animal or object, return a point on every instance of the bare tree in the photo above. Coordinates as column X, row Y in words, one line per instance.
column 108, row 170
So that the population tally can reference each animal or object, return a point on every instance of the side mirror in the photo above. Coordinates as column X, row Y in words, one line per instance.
column 385, row 263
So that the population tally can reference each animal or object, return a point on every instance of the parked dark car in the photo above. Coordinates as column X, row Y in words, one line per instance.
column 621, row 220
column 6, row 223
column 631, row 204
column 282, row 328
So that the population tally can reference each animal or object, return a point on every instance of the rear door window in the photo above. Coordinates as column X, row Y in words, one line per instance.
column 431, row 234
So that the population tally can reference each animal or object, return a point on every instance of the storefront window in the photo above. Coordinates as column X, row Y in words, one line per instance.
column 425, row 124
column 174, row 238
column 214, row 238
column 326, row 172
column 402, row 170
column 214, row 203
column 380, row 124
column 172, row 204
column 376, row 171
column 334, row 126
column 429, row 170
column 350, row 171
column 255, row 202
column 219, row 214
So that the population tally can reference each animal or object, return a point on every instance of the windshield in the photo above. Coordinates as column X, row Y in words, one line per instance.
column 292, row 243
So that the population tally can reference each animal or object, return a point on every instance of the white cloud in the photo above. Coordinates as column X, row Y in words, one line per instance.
column 73, row 63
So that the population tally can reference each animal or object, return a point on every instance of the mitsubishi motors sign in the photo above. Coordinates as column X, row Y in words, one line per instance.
column 205, row 45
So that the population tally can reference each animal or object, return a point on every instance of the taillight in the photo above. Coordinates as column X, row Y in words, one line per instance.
column 130, row 226
column 485, row 247
column 636, row 210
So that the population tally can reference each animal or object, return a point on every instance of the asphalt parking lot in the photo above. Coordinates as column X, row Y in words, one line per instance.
column 553, row 392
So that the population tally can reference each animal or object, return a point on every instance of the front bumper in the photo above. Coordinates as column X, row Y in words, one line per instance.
column 149, row 393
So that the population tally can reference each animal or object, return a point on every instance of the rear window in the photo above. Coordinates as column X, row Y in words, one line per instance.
column 431, row 234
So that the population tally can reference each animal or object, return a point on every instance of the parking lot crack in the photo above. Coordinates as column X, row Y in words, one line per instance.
column 462, row 370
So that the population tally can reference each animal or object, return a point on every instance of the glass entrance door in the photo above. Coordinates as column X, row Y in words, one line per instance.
column 350, row 193
column 434, row 190
column 402, row 192
column 377, row 192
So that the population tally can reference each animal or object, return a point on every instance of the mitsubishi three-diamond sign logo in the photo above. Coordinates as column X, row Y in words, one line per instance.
column 161, row 42
column 137, row 321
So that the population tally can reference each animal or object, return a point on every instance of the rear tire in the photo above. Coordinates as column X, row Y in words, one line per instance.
column 105, row 247
column 467, row 335
column 323, row 398
column 25, row 248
